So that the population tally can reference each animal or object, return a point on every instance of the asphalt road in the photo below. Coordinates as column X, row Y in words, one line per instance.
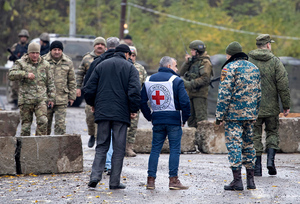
column 205, row 174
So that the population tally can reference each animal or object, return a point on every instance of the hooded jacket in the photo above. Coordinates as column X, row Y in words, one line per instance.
column 274, row 82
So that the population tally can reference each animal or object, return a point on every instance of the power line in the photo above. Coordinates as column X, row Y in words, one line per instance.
column 205, row 24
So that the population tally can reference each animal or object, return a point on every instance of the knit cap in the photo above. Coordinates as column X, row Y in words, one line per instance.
column 99, row 40
column 34, row 47
column 233, row 48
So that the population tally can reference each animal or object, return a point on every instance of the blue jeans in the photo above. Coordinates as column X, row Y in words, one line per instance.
column 160, row 133
column 109, row 155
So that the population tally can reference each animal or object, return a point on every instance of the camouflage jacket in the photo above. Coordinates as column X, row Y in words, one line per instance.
column 64, row 78
column 41, row 88
column 142, row 73
column 199, row 72
column 239, row 91
column 274, row 82
column 88, row 58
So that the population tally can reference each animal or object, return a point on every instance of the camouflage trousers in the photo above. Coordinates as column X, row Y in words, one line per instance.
column 271, row 129
column 131, row 131
column 26, row 112
column 239, row 143
column 90, row 120
column 60, row 112
column 198, row 111
column 12, row 91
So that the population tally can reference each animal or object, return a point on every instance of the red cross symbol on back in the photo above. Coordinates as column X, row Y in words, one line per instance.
column 158, row 97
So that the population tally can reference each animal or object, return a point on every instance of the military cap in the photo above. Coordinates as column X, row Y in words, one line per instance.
column 45, row 37
column 34, row 47
column 99, row 40
column 263, row 39
column 233, row 48
column 133, row 50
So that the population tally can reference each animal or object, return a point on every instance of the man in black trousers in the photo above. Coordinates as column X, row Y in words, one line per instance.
column 113, row 91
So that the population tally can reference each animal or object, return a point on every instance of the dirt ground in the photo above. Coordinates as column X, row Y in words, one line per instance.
column 205, row 174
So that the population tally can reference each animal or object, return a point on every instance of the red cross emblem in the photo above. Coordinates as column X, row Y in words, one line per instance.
column 158, row 97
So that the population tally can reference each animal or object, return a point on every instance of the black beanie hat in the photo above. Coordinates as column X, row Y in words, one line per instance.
column 123, row 48
column 56, row 44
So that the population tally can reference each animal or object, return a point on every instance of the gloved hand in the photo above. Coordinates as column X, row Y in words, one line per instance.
column 187, row 84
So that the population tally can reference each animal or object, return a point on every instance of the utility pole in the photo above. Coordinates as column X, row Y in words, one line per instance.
column 72, row 24
column 122, row 18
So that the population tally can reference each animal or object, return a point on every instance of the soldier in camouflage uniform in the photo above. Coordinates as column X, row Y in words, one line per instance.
column 36, row 88
column 99, row 48
column 18, row 50
column 65, row 84
column 196, row 72
column 131, row 132
column 274, row 83
column 238, row 104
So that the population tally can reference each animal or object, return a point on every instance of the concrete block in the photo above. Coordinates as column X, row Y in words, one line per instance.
column 289, row 135
column 210, row 138
column 7, row 155
column 144, row 139
column 9, row 121
column 50, row 154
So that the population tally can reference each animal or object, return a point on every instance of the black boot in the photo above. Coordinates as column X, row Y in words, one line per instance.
column 250, row 179
column 270, row 161
column 91, row 141
column 258, row 170
column 236, row 184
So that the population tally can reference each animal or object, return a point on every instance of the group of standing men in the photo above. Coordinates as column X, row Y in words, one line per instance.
column 248, row 97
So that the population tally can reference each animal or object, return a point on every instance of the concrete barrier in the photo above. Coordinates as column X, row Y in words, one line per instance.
column 7, row 155
column 144, row 138
column 50, row 154
column 9, row 121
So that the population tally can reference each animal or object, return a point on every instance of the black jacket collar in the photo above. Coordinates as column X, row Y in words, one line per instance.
column 237, row 56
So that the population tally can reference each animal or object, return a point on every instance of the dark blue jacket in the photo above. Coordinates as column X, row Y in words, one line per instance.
column 114, row 90
column 181, row 100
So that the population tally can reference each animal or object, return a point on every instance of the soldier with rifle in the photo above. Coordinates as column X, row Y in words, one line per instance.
column 17, row 51
column 196, row 72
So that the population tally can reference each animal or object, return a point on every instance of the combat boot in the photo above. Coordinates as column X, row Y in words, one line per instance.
column 258, row 169
column 150, row 183
column 129, row 150
column 236, row 184
column 250, row 179
column 270, row 161
column 175, row 184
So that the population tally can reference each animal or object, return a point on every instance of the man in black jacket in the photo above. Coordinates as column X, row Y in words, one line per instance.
column 113, row 91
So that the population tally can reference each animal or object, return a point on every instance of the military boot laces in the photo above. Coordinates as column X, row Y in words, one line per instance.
column 175, row 184
column 236, row 184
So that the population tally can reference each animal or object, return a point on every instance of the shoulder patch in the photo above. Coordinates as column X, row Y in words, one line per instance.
column 223, row 73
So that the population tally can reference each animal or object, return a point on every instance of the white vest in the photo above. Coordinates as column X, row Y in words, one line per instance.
column 160, row 94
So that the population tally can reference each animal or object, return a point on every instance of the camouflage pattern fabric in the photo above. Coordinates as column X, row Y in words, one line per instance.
column 26, row 112
column 131, row 131
column 274, row 82
column 238, row 104
column 83, row 67
column 60, row 112
column 35, row 91
column 198, row 111
column 239, row 143
column 64, row 78
column 90, row 120
column 239, row 92
column 272, row 136
column 198, row 71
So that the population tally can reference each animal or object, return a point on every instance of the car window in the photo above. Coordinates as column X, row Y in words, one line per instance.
column 76, row 50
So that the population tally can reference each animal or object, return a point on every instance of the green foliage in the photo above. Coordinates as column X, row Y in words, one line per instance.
column 157, row 35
